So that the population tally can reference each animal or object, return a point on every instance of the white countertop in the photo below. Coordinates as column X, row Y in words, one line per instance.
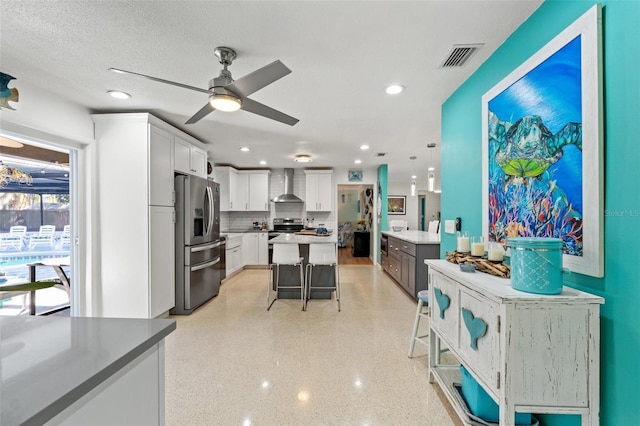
column 48, row 363
column 304, row 239
column 415, row 237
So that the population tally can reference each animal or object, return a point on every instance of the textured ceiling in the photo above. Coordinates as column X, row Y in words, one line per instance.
column 342, row 54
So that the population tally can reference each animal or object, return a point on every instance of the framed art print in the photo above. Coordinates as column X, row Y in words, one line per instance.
column 396, row 204
column 355, row 176
column 542, row 137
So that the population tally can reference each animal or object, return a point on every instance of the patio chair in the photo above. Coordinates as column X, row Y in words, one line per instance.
column 65, row 240
column 14, row 239
column 44, row 236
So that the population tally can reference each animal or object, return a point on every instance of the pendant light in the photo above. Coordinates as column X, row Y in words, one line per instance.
column 431, row 176
column 413, row 177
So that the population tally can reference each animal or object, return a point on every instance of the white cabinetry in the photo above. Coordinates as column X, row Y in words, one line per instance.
column 243, row 190
column 255, row 248
column 233, row 253
column 319, row 194
column 189, row 159
column 134, row 240
column 531, row 353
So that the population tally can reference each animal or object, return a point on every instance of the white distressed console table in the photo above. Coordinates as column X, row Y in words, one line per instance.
column 531, row 353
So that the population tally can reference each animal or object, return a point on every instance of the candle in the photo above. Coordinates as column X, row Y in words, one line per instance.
column 463, row 242
column 495, row 252
column 477, row 249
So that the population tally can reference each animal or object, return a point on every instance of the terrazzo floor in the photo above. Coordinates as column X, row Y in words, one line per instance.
column 233, row 363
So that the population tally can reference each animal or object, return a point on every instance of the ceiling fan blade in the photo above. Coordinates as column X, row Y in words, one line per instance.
column 250, row 83
column 160, row 80
column 265, row 111
column 201, row 114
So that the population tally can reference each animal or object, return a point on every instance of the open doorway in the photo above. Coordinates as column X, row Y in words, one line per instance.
column 35, row 226
column 355, row 217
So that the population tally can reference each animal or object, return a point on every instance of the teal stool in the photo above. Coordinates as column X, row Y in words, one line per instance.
column 422, row 311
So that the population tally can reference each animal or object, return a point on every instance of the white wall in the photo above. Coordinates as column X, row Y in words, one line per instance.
column 44, row 118
column 412, row 207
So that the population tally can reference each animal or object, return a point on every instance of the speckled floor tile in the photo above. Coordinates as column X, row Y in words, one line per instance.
column 233, row 363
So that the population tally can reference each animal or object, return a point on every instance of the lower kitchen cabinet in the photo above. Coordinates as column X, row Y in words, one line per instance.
column 255, row 248
column 405, row 263
column 233, row 253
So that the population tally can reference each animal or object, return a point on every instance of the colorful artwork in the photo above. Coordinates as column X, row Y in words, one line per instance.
column 7, row 94
column 535, row 153
column 396, row 204
column 542, row 141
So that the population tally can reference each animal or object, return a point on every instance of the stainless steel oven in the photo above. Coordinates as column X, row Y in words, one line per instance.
column 283, row 225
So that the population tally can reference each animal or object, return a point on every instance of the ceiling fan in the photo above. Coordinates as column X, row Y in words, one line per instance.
column 227, row 94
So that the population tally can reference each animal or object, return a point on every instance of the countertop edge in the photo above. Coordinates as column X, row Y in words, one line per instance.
column 68, row 399
column 404, row 237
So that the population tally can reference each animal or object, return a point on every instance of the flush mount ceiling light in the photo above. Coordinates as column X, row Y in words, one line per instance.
column 394, row 89
column 302, row 158
column 364, row 147
column 118, row 94
column 245, row 149
column 225, row 102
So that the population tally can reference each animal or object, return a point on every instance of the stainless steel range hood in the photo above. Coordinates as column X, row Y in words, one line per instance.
column 288, row 196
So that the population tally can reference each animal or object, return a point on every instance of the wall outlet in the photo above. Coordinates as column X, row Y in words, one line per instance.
column 449, row 226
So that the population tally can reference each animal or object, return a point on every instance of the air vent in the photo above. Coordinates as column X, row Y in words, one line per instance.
column 381, row 154
column 460, row 54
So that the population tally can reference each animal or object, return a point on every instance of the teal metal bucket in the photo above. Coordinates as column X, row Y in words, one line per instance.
column 536, row 265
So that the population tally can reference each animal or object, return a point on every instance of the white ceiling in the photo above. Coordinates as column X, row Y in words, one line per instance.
column 342, row 53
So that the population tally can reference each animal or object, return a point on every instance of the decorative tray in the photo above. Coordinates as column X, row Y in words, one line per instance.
column 481, row 264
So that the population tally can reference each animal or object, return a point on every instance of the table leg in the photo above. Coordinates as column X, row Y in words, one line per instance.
column 32, row 296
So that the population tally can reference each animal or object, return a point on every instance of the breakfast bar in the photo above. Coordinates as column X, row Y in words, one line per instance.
column 289, row 275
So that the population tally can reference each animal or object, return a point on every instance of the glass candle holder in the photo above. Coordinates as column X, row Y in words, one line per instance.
column 477, row 246
column 495, row 252
column 463, row 242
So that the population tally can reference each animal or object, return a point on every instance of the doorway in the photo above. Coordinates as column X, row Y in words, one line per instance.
column 355, row 217
column 36, row 200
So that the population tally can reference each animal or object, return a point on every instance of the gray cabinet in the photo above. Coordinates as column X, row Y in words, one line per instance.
column 405, row 263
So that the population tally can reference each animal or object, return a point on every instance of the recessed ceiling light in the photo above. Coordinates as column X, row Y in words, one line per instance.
column 414, row 177
column 438, row 191
column 394, row 89
column 364, row 147
column 302, row 158
column 430, row 169
column 358, row 161
column 119, row 95
column 245, row 149
column 263, row 163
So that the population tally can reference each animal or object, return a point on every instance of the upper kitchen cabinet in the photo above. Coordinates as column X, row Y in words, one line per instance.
column 319, row 196
column 243, row 190
column 189, row 159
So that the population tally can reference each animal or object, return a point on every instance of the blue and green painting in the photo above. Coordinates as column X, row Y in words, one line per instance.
column 535, row 153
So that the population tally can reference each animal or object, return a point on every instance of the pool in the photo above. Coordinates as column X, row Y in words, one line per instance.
column 23, row 260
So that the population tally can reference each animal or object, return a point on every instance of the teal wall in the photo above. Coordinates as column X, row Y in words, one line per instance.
column 462, row 186
column 382, row 217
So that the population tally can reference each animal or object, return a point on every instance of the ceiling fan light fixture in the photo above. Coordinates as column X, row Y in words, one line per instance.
column 226, row 103
column 302, row 158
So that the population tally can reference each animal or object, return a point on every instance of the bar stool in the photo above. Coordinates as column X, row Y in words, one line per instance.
column 322, row 254
column 284, row 254
column 423, row 302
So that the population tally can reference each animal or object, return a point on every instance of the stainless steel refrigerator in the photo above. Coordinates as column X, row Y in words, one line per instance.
column 200, row 261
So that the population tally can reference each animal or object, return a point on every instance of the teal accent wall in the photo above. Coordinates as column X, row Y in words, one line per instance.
column 462, row 184
column 382, row 218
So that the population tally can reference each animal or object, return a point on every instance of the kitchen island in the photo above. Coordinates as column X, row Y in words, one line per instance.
column 289, row 275
column 63, row 370
column 403, row 258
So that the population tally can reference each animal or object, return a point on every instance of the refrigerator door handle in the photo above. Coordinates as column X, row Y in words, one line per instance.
column 209, row 225
column 206, row 265
column 207, row 247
